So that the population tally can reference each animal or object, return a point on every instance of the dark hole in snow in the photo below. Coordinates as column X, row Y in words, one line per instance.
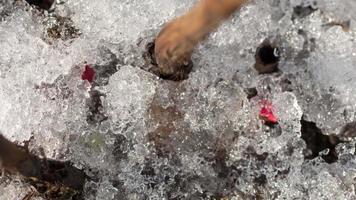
column 149, row 54
column 250, row 152
column 260, row 180
column 267, row 58
column 267, row 55
column 302, row 11
column 286, row 85
column 148, row 171
column 250, row 92
column 271, row 124
column 104, row 71
column 98, row 76
column 150, row 59
column 317, row 142
column 43, row 4
column 96, row 114
column 220, row 166
column 120, row 147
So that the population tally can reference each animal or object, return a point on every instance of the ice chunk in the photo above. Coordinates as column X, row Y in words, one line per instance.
column 37, row 95
column 130, row 91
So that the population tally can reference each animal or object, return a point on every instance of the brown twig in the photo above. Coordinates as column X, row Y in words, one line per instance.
column 176, row 41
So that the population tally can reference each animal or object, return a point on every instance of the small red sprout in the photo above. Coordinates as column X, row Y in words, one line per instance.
column 266, row 113
column 88, row 74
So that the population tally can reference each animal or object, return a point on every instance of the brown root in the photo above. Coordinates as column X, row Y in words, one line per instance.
column 176, row 41
column 39, row 171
